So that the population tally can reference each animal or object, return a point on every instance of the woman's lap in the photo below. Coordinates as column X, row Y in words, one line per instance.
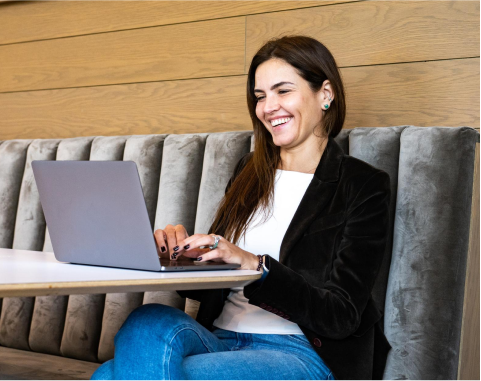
column 159, row 342
column 251, row 364
column 259, row 356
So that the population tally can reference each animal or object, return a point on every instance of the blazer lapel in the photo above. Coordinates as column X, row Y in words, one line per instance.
column 318, row 194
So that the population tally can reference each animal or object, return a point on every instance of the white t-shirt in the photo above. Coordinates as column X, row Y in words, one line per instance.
column 266, row 238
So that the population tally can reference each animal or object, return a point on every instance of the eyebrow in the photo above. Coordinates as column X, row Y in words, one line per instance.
column 274, row 86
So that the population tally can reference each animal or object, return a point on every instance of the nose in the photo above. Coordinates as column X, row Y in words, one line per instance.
column 270, row 104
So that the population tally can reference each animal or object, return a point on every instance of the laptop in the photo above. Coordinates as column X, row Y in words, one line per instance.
column 96, row 215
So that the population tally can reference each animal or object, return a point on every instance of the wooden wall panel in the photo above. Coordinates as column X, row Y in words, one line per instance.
column 200, row 105
column 413, row 93
column 377, row 32
column 433, row 93
column 27, row 21
column 193, row 50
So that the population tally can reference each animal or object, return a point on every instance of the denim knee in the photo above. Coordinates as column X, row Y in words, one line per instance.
column 149, row 316
column 104, row 371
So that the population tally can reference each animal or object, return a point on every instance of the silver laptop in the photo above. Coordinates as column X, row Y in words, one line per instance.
column 96, row 215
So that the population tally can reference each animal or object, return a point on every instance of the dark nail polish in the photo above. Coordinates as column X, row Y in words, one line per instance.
column 186, row 247
column 174, row 255
column 176, row 248
column 199, row 258
column 162, row 249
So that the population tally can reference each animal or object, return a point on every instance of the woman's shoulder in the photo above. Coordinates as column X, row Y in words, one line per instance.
column 359, row 171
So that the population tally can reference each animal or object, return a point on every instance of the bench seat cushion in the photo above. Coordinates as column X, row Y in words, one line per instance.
column 17, row 364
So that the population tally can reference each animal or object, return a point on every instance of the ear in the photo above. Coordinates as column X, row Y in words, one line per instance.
column 326, row 92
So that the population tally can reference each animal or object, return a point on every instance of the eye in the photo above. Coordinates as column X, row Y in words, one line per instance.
column 283, row 91
column 260, row 98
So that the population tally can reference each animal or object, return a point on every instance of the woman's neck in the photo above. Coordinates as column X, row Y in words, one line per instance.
column 303, row 160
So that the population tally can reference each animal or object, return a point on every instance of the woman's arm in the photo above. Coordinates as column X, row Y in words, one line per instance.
column 335, row 309
column 197, row 294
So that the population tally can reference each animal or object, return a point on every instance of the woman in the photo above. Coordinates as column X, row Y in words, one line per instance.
column 312, row 219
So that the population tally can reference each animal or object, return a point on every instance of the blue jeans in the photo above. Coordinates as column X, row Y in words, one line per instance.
column 164, row 343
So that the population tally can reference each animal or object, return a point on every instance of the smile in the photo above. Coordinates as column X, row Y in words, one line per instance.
column 279, row 122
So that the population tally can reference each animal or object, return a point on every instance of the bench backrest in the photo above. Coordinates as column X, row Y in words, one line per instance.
column 422, row 279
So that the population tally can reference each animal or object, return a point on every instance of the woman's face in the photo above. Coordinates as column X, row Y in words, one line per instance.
column 287, row 106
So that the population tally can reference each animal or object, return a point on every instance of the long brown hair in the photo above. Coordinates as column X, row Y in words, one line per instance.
column 254, row 186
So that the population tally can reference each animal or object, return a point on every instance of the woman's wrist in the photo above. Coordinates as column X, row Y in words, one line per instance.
column 255, row 263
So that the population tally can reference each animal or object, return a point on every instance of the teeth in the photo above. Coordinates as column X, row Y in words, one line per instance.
column 280, row 121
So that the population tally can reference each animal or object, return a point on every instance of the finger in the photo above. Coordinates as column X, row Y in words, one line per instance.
column 171, row 239
column 195, row 253
column 180, row 235
column 211, row 255
column 160, row 236
column 189, row 239
column 200, row 241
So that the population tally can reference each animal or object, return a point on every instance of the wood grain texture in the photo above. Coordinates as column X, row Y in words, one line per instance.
column 193, row 50
column 116, row 286
column 25, row 365
column 377, row 32
column 207, row 105
column 27, row 21
column 468, row 368
column 419, row 93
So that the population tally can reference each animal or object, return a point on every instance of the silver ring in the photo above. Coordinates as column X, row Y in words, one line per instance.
column 216, row 242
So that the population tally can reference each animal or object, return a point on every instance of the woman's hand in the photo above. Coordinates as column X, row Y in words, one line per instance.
column 167, row 240
column 224, row 252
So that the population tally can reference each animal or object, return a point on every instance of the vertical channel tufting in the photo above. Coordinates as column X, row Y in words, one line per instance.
column 180, row 177
column 179, row 183
column 30, row 222
column 380, row 148
column 424, row 300
column 343, row 139
column 117, row 308
column 13, row 155
column 48, row 319
column 146, row 152
column 222, row 152
column 83, row 321
column 29, row 234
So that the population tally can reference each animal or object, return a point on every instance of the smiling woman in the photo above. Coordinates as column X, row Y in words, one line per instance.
column 290, row 77
column 319, row 246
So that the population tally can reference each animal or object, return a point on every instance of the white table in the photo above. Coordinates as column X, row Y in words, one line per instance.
column 35, row 273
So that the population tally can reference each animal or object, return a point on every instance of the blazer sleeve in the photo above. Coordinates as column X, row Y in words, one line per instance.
column 335, row 310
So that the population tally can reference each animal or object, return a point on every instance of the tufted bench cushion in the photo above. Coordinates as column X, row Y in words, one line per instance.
column 183, row 179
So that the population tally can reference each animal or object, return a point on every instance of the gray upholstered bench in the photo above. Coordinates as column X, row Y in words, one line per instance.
column 421, row 285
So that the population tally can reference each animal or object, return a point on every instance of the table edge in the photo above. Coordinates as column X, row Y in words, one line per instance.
column 130, row 285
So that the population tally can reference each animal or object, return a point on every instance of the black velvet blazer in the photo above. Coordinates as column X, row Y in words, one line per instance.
column 329, row 259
